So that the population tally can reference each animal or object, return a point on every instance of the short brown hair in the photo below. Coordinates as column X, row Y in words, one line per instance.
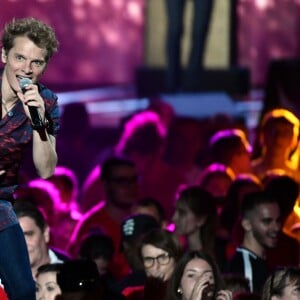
column 37, row 31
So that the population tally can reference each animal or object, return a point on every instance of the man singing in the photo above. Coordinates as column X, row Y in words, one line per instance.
column 27, row 46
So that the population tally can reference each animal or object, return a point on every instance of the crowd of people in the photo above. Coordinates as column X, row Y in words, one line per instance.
column 176, row 209
column 217, row 224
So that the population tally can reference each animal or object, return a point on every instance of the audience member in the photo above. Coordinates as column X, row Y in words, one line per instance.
column 260, row 219
column 229, row 218
column 285, row 190
column 195, row 220
column 150, row 206
column 236, row 283
column 216, row 179
column 120, row 182
column 133, row 228
column 42, row 194
column 160, row 250
column 47, row 287
column 66, row 207
column 143, row 141
column 197, row 276
column 278, row 136
column 283, row 284
column 231, row 148
column 99, row 247
column 65, row 180
column 158, row 179
column 37, row 236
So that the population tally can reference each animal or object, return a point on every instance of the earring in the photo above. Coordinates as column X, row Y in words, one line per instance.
column 179, row 290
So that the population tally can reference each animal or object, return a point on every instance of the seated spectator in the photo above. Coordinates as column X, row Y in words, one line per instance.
column 231, row 148
column 46, row 284
column 197, row 276
column 37, row 236
column 282, row 284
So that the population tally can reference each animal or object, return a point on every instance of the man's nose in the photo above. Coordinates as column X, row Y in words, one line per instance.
column 156, row 265
column 27, row 68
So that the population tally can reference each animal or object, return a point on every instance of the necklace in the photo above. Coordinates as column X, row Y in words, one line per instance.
column 8, row 112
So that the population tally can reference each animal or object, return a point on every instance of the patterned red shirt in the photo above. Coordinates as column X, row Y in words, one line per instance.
column 16, row 135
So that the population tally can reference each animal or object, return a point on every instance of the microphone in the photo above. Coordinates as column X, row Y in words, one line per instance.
column 36, row 119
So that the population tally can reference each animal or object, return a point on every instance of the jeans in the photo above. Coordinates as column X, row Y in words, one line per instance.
column 202, row 11
column 15, row 271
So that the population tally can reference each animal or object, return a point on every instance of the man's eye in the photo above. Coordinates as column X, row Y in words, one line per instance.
column 29, row 233
column 19, row 58
column 266, row 222
column 38, row 63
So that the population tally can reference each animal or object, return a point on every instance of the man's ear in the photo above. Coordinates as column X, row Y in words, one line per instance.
column 3, row 55
column 246, row 224
column 46, row 234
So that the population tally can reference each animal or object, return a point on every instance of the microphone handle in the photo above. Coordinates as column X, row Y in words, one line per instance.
column 36, row 119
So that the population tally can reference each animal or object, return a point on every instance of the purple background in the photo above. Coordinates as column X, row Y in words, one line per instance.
column 102, row 41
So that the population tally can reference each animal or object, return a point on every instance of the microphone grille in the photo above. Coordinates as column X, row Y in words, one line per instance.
column 24, row 82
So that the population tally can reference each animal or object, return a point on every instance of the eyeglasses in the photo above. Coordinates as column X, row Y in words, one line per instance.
column 162, row 259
